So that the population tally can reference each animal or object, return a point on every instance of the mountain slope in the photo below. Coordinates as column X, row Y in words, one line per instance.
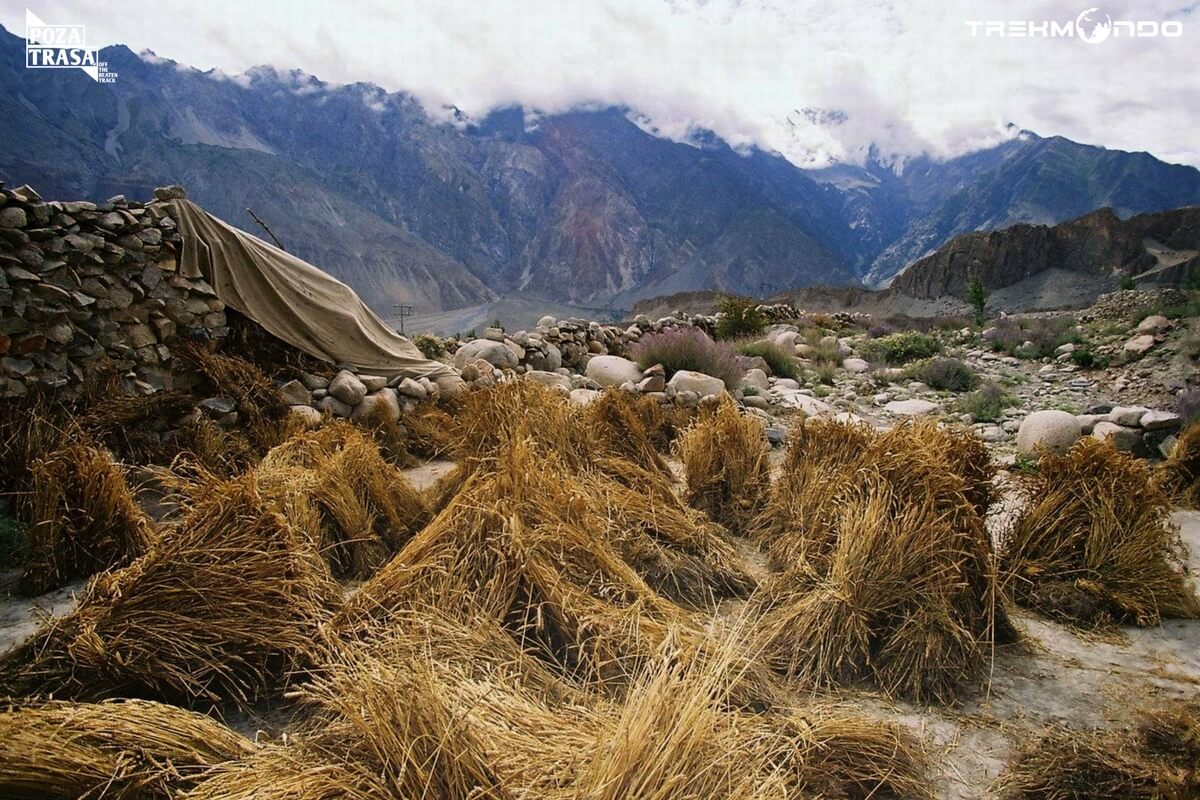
column 584, row 207
column 1098, row 247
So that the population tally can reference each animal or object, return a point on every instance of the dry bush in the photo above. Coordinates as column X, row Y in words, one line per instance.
column 1180, row 474
column 1094, row 544
column 222, row 607
column 888, row 567
column 83, row 518
column 334, row 485
column 127, row 749
column 1159, row 759
column 725, row 458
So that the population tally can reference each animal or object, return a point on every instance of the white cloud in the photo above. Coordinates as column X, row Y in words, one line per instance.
column 907, row 75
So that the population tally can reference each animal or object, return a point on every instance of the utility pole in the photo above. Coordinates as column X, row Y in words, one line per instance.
column 403, row 311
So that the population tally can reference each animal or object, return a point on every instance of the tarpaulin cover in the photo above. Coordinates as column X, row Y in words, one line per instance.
column 294, row 300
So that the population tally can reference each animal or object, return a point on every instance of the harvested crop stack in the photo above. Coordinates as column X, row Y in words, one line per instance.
column 127, row 423
column 675, row 736
column 725, row 458
column 1094, row 544
column 222, row 607
column 334, row 485
column 131, row 749
column 83, row 518
column 890, row 576
column 618, row 425
column 1160, row 759
column 519, row 544
column 1180, row 474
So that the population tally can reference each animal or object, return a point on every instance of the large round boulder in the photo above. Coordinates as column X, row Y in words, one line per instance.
column 685, row 380
column 1052, row 431
column 612, row 370
column 495, row 353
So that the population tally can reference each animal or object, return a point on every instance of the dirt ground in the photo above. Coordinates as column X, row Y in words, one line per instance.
column 1053, row 676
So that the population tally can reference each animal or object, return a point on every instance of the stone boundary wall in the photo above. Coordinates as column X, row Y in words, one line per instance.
column 91, row 287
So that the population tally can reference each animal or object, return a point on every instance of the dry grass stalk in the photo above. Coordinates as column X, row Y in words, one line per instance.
column 725, row 458
column 220, row 450
column 83, row 518
column 124, row 422
column 1094, row 544
column 617, row 423
column 127, row 749
column 223, row 607
column 1180, row 474
column 296, row 771
column 335, row 485
column 890, row 577
column 1160, row 759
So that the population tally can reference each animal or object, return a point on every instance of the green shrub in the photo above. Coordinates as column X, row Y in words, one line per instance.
column 781, row 363
column 740, row 317
column 1190, row 308
column 943, row 374
column 1086, row 359
column 1032, row 337
column 986, row 403
column 900, row 348
column 689, row 349
column 430, row 346
column 825, row 373
column 1127, row 282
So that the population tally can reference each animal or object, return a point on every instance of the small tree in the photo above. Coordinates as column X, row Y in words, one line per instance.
column 1127, row 282
column 977, row 298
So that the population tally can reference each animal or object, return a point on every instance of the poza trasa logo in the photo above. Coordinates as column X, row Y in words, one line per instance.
column 62, row 47
column 1092, row 26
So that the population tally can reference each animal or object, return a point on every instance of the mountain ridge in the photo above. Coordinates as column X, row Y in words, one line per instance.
column 583, row 207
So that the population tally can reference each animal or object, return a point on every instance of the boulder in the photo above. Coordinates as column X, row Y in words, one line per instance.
column 756, row 378
column 581, row 397
column 912, row 408
column 810, row 405
column 652, row 384
column 552, row 379
column 1128, row 416
column 347, row 388
column 1124, row 439
column 1139, row 345
column 1155, row 323
column 613, row 370
column 334, row 406
column 495, row 353
column 373, row 382
column 410, row 388
column 451, row 385
column 307, row 415
column 384, row 399
column 1054, row 431
column 296, row 393
column 685, row 380
column 855, row 365
column 1159, row 421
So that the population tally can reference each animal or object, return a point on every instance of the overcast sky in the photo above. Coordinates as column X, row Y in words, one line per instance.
column 908, row 75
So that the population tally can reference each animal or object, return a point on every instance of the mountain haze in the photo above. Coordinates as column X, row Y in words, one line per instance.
column 584, row 207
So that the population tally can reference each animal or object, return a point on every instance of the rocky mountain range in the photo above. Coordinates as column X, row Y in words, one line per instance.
column 585, row 208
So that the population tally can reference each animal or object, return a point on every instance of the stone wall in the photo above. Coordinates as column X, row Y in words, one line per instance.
column 568, row 343
column 91, row 287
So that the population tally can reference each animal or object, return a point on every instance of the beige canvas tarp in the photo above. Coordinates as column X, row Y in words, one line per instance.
column 294, row 300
